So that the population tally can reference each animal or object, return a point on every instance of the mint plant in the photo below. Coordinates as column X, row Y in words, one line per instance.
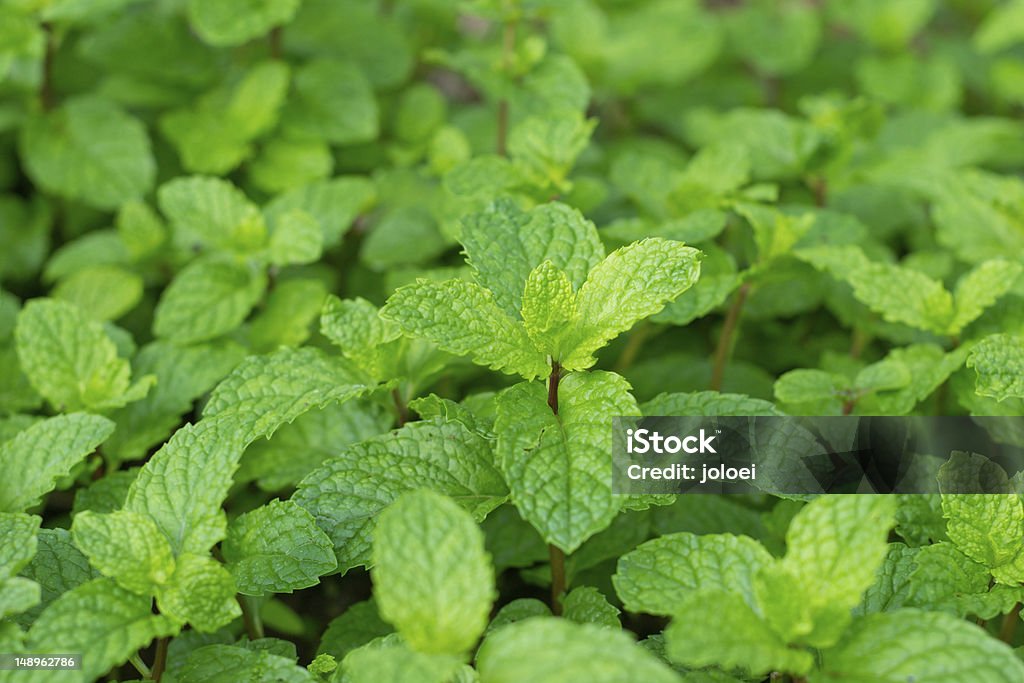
column 315, row 316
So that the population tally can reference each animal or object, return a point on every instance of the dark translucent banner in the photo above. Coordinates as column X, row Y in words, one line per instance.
column 814, row 455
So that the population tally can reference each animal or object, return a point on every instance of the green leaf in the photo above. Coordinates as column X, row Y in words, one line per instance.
column 286, row 164
column 432, row 578
column 893, row 585
column 182, row 486
column 356, row 626
column 708, row 403
column 335, row 203
column 898, row 294
column 394, row 662
column 928, row 367
column 89, row 150
column 18, row 595
column 505, row 244
column 296, row 239
column 210, row 213
column 126, row 546
column 231, row 664
column 545, row 650
column 980, row 288
column 463, row 318
column 834, row 547
column 549, row 460
column 104, row 292
column 717, row 627
column 287, row 315
column 37, row 457
column 101, row 620
column 543, row 149
column 363, row 336
column 586, row 605
column 629, row 285
column 998, row 361
column 926, row 647
column 183, row 374
column 264, row 392
column 944, row 579
column 18, row 535
column 207, row 299
column 987, row 528
column 277, row 548
column 233, row 22
column 657, row 577
column 334, row 102
column 549, row 308
column 346, row 493
column 819, row 390
column 71, row 361
column 201, row 592
column 58, row 567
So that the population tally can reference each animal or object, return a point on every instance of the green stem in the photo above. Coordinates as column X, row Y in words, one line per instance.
column 136, row 661
column 401, row 409
column 251, row 617
column 160, row 659
column 1008, row 629
column 556, row 554
column 858, row 342
column 636, row 341
column 275, row 40
column 725, row 339
column 557, row 558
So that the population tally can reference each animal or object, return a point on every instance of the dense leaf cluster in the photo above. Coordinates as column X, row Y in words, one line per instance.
column 315, row 314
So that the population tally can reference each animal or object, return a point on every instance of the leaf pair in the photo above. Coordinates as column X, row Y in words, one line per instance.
column 543, row 292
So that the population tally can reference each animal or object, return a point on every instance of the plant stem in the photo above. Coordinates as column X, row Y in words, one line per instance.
column 160, row 659
column 508, row 46
column 557, row 558
column 274, row 38
column 251, row 617
column 556, row 554
column 1008, row 629
column 633, row 346
column 556, row 376
column 725, row 339
column 400, row 408
column 136, row 661
column 858, row 342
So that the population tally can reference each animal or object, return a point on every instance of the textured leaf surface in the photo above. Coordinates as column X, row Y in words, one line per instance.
column 463, row 318
column 657, row 576
column 103, row 621
column 986, row 528
column 334, row 203
column 207, row 299
column 126, row 546
column 545, row 650
column 982, row 287
column 183, row 485
column 998, row 361
column 58, row 566
column 70, row 360
column 201, row 593
column 346, row 493
column 505, row 244
column 264, row 392
column 394, row 662
column 34, row 459
column 334, row 102
column 629, row 285
column 277, row 548
column 210, row 213
column 230, row 664
column 89, row 150
column 586, row 605
column 713, row 627
column 556, row 465
column 432, row 578
column 925, row 647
